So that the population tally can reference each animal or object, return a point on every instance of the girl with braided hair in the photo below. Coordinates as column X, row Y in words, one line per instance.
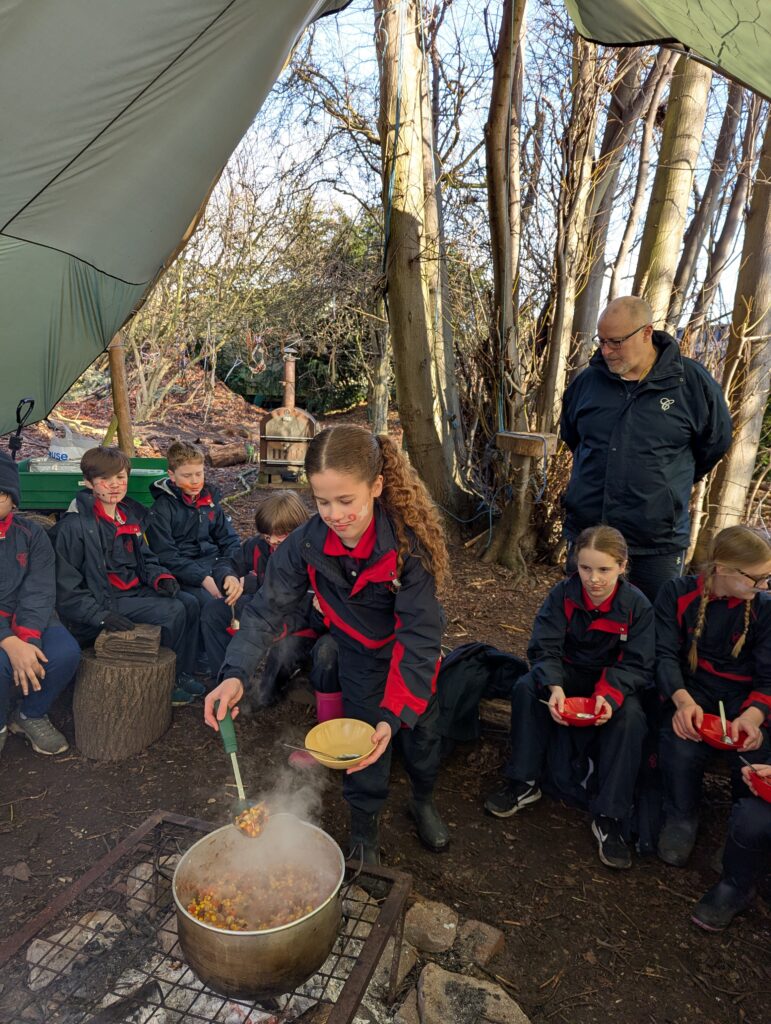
column 375, row 556
column 713, row 643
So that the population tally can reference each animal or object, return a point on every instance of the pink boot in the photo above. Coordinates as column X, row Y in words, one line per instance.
column 328, row 706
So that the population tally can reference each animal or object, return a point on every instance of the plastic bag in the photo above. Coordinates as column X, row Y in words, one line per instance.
column 71, row 447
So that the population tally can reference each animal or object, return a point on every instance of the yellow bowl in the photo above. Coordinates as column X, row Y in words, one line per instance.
column 341, row 736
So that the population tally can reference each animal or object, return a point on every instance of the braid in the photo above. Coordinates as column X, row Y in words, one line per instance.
column 408, row 504
column 693, row 653
column 736, row 650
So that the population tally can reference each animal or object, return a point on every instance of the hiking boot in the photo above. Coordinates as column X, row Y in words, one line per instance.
column 41, row 735
column 432, row 831
column 511, row 797
column 676, row 841
column 180, row 697
column 365, row 838
column 3, row 737
column 190, row 684
column 613, row 851
column 718, row 907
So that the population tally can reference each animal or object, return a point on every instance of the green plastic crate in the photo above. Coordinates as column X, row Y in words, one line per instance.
column 53, row 492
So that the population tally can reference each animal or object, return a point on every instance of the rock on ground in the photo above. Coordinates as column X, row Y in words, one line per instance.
column 378, row 987
column 445, row 997
column 408, row 1011
column 478, row 942
column 430, row 927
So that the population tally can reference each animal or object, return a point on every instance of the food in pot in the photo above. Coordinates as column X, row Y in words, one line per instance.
column 267, row 900
column 253, row 820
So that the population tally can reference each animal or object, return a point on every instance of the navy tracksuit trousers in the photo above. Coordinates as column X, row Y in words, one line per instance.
column 63, row 655
column 538, row 743
column 363, row 675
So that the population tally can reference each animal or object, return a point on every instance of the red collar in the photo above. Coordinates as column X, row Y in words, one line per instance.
column 200, row 500
column 5, row 525
column 364, row 546
column 606, row 605
column 99, row 511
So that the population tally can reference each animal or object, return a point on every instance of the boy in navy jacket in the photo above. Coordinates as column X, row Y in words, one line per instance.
column 38, row 657
column 108, row 578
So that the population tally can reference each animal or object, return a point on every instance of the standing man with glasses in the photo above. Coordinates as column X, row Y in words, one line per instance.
column 644, row 423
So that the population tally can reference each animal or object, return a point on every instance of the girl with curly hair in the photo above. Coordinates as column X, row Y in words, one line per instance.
column 375, row 556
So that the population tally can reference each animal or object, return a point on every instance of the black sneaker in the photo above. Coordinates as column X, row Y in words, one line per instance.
column 613, row 851
column 718, row 907
column 676, row 841
column 510, row 798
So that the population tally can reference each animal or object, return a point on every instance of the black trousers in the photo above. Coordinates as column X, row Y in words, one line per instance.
column 646, row 572
column 363, row 676
column 748, row 849
column 177, row 617
column 683, row 762
column 538, row 742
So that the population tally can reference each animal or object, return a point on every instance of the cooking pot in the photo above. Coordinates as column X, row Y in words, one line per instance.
column 265, row 963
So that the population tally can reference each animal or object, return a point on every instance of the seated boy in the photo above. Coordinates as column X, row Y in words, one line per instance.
column 276, row 517
column 108, row 578
column 38, row 657
column 188, row 529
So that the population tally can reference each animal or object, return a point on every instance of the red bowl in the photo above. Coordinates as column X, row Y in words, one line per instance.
column 577, row 709
column 762, row 786
column 711, row 731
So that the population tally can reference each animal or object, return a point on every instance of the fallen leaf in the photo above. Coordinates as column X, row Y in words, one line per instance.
column 20, row 871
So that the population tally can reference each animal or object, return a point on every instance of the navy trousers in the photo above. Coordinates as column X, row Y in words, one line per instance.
column 63, row 653
column 538, row 743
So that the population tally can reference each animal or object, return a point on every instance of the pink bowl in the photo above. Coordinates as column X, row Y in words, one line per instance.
column 579, row 711
column 711, row 731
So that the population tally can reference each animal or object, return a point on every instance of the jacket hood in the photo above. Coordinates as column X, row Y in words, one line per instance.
column 669, row 361
column 170, row 489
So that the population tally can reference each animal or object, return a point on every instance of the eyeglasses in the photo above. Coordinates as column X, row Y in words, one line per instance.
column 616, row 342
column 757, row 581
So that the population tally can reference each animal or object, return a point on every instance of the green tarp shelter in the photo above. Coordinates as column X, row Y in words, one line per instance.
column 733, row 36
column 115, row 118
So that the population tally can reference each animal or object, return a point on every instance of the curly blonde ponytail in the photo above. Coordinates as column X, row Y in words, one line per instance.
column 347, row 448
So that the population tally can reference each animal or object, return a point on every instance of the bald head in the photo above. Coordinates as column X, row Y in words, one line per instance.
column 629, row 307
column 626, row 327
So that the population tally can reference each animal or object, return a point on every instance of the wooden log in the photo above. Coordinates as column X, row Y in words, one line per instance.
column 218, row 455
column 496, row 713
column 141, row 643
column 526, row 444
column 121, row 707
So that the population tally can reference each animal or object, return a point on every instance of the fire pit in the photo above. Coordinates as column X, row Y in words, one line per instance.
column 285, row 434
column 106, row 950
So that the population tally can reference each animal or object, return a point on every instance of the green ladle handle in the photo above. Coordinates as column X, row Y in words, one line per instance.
column 227, row 731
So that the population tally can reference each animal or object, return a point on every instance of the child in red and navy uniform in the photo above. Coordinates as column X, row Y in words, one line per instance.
column 38, row 657
column 108, row 578
column 713, row 643
column 374, row 556
column 188, row 530
column 592, row 637
column 305, row 636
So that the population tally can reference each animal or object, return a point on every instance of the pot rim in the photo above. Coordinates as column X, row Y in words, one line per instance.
column 181, row 908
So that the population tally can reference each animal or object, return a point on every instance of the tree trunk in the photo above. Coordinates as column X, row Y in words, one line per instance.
column 643, row 168
column 121, row 707
column 120, row 394
column 400, row 125
column 668, row 207
column 378, row 371
column 629, row 101
column 705, row 213
column 748, row 359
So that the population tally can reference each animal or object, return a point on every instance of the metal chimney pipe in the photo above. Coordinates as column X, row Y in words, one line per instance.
column 289, row 382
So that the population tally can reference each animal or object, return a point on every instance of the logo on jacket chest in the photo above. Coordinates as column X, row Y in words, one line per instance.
column 21, row 558
column 666, row 404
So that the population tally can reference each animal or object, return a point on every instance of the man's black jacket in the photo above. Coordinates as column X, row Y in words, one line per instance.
column 638, row 448
column 188, row 536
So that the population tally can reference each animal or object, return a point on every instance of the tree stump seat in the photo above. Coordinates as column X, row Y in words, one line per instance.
column 120, row 705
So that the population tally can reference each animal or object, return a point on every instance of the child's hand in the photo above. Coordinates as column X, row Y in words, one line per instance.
column 233, row 588
column 211, row 587
column 764, row 770
column 381, row 737
column 748, row 722
column 557, row 704
column 26, row 663
column 228, row 693
column 687, row 719
column 603, row 710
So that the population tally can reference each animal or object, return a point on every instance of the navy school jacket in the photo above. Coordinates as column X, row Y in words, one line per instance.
column 718, row 674
column 83, row 591
column 639, row 448
column 615, row 640
column 27, row 580
column 361, row 606
column 189, row 535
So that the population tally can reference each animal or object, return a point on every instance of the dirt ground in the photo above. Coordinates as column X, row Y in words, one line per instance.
column 583, row 944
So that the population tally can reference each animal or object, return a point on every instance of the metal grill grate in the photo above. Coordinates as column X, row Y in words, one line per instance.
column 106, row 952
